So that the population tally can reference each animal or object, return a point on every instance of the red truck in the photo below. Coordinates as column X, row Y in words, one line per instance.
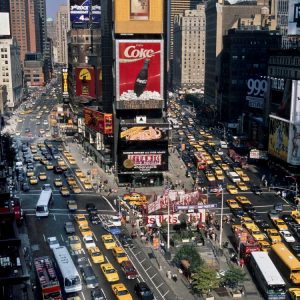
column 8, row 204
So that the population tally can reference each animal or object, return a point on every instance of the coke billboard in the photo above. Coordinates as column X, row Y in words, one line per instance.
column 139, row 70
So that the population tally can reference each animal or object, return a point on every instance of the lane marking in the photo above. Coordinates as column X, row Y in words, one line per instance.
column 109, row 203
column 44, row 237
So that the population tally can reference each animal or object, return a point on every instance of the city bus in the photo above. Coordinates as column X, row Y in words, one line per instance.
column 70, row 276
column 267, row 277
column 287, row 262
column 45, row 199
column 48, row 281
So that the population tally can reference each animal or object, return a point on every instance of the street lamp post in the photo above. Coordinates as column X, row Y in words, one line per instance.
column 221, row 221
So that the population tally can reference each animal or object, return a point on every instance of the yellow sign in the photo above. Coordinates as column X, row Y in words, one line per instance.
column 85, row 74
column 278, row 138
column 65, row 82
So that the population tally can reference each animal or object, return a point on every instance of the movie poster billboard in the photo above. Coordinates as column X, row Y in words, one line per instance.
column 139, row 70
column 98, row 121
column 256, row 89
column 143, row 161
column 143, row 133
column 278, row 138
column 294, row 17
column 294, row 145
column 85, row 82
column 82, row 10
column 139, row 10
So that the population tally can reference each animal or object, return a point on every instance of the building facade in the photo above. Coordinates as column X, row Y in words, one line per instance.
column 62, row 27
column 40, row 25
column 189, row 49
column 3, row 99
column 4, row 5
column 11, row 71
column 34, row 74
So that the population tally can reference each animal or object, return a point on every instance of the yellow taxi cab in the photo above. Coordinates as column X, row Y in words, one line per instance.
column 135, row 197
column 224, row 166
column 72, row 161
column 109, row 272
column 81, row 220
column 44, row 161
column 119, row 254
column 238, row 170
column 87, row 184
column 273, row 235
column 96, row 255
column 36, row 157
column 71, row 180
column 85, row 230
column 210, row 177
column 121, row 292
column 58, row 182
column 280, row 224
column 247, row 220
column 232, row 204
column 256, row 233
column 43, row 176
column 209, row 136
column 49, row 166
column 201, row 143
column 79, row 173
column 19, row 120
column 242, row 186
column 64, row 191
column 74, row 242
column 61, row 163
column 33, row 180
column 108, row 241
column 76, row 189
column 296, row 216
column 236, row 227
column 294, row 293
column 83, row 178
column 245, row 177
column 243, row 200
column 232, row 189
column 217, row 157
column 209, row 160
column 220, row 177
column 34, row 150
column 250, row 225
column 264, row 245
column 30, row 173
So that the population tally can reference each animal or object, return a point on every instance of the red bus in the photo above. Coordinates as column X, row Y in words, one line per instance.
column 48, row 280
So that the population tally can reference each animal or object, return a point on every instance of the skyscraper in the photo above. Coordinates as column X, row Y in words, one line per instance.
column 40, row 24
column 62, row 27
column 4, row 6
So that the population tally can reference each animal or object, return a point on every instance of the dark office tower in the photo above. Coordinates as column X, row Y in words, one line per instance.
column 4, row 6
column 41, row 25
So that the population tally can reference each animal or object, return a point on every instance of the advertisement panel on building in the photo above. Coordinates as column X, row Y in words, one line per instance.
column 136, row 16
column 85, row 82
column 256, row 89
column 278, row 138
column 139, row 70
column 143, row 133
column 4, row 24
column 295, row 102
column 96, row 11
column 65, row 85
column 98, row 121
column 175, row 219
column 80, row 11
column 294, row 17
column 294, row 143
column 143, row 161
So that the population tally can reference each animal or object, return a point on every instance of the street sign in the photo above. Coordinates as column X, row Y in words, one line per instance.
column 200, row 206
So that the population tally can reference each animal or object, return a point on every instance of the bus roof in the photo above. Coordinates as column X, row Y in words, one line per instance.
column 286, row 256
column 44, row 198
column 267, row 268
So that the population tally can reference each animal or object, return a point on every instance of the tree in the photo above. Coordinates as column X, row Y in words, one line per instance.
column 234, row 276
column 189, row 253
column 183, row 219
column 205, row 279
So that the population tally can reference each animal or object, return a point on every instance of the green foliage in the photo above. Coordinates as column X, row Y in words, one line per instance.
column 234, row 276
column 190, row 254
column 204, row 279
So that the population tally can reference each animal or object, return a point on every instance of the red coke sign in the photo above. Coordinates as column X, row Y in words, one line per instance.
column 139, row 70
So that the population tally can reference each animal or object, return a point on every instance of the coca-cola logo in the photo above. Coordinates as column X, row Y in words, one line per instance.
column 133, row 52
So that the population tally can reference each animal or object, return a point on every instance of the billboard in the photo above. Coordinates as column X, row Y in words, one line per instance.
column 143, row 133
column 256, row 89
column 65, row 84
column 98, row 121
column 194, row 218
column 136, row 16
column 294, row 144
column 139, row 70
column 80, row 11
column 85, row 82
column 4, row 24
column 143, row 161
column 294, row 17
column 278, row 138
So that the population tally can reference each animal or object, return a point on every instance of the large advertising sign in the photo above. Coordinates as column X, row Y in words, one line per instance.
column 65, row 84
column 81, row 10
column 143, row 133
column 294, row 145
column 138, row 16
column 4, row 24
column 143, row 161
column 295, row 102
column 294, row 17
column 193, row 218
column 278, row 138
column 256, row 89
column 98, row 121
column 85, row 82
column 139, row 70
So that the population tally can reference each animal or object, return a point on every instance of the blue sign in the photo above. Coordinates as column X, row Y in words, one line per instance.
column 80, row 11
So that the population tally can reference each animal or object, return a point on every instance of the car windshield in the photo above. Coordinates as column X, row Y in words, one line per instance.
column 122, row 293
column 97, row 253
column 122, row 255
column 109, row 241
column 146, row 292
column 110, row 271
column 72, row 281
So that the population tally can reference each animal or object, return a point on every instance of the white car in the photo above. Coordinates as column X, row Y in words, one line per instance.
column 115, row 220
column 287, row 236
column 53, row 242
column 88, row 242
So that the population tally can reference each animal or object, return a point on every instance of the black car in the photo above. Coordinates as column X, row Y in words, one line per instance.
column 296, row 249
column 248, row 208
column 126, row 241
column 94, row 218
column 264, row 225
column 256, row 189
column 256, row 217
column 237, row 212
column 143, row 291
column 58, row 170
column 97, row 294
column 90, row 207
column 81, row 260
column 89, row 277
column 287, row 218
column 25, row 187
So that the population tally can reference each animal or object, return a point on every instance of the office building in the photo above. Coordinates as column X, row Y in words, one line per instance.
column 281, row 11
column 4, row 5
column 40, row 25
column 62, row 27
column 34, row 74
column 189, row 49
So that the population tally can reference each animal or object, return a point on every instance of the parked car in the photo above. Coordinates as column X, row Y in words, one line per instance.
column 126, row 241
column 143, row 292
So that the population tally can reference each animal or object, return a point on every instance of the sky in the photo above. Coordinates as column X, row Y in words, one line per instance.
column 52, row 6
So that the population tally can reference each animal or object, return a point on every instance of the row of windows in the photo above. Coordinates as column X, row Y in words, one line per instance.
column 284, row 60
column 3, row 49
column 285, row 72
